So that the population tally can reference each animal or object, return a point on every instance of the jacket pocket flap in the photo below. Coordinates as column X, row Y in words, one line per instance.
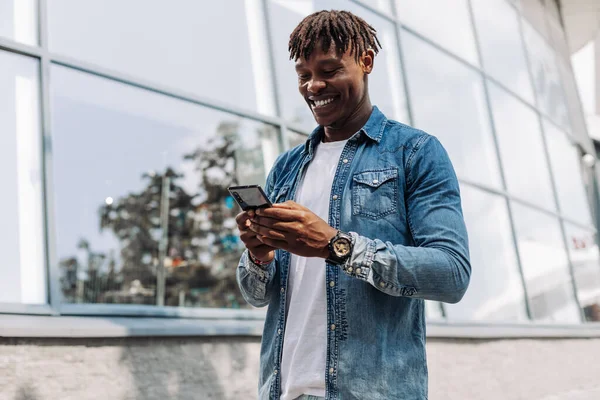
column 375, row 178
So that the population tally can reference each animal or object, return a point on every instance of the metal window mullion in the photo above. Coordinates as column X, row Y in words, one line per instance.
column 20, row 48
column 27, row 309
column 283, row 138
column 511, row 217
column 403, row 70
column 49, row 223
column 297, row 128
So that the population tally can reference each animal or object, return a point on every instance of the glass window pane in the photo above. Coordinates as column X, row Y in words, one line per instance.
column 216, row 49
column 552, row 7
column 502, row 49
column 381, row 5
column 454, row 33
column 546, row 78
column 545, row 266
column 437, row 84
column 521, row 149
column 295, row 138
column 385, row 82
column 534, row 12
column 559, row 39
column 496, row 290
column 113, row 147
column 19, row 20
column 578, row 123
column 583, row 250
column 22, row 273
column 568, row 175
column 433, row 311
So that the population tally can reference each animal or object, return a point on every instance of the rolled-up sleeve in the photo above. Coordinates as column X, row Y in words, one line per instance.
column 255, row 280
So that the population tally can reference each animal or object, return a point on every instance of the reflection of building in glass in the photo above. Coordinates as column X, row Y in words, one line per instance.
column 162, row 139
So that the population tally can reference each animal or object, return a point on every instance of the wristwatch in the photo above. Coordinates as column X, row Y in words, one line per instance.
column 340, row 248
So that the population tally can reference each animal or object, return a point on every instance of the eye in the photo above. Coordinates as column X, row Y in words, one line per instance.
column 331, row 72
column 303, row 77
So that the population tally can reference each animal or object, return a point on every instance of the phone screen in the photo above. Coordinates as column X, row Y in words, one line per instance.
column 250, row 197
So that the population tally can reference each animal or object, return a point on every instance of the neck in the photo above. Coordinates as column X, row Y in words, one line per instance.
column 355, row 121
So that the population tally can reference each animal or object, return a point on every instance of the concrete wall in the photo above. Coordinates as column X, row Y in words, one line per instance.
column 226, row 368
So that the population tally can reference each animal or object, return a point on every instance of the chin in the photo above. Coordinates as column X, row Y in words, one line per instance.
column 328, row 120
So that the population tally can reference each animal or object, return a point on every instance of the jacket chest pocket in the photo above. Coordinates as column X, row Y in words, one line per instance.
column 375, row 193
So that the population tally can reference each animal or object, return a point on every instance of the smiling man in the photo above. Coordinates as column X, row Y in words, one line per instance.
column 366, row 225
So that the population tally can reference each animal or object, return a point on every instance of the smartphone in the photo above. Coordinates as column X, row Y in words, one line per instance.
column 250, row 197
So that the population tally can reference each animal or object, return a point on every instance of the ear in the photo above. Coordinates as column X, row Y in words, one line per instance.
column 367, row 60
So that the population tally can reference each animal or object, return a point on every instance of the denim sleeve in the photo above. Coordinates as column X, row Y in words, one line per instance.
column 438, row 266
column 255, row 281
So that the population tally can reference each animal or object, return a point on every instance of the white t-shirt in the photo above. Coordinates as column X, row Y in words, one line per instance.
column 305, row 342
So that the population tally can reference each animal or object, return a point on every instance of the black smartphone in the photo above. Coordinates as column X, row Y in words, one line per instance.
column 250, row 197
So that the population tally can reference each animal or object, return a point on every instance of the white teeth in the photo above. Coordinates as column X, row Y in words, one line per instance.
column 321, row 103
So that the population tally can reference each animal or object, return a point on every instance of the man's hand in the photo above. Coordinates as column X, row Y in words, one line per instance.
column 256, row 247
column 294, row 228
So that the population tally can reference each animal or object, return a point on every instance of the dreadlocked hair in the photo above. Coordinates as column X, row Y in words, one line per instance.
column 341, row 28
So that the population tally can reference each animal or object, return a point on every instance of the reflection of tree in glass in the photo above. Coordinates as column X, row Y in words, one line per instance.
column 86, row 283
column 203, row 247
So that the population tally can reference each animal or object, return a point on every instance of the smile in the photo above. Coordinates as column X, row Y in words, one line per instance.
column 322, row 103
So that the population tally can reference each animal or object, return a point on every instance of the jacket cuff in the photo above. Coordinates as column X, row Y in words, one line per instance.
column 360, row 262
column 262, row 272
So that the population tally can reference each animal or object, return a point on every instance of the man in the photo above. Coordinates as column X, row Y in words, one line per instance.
column 367, row 224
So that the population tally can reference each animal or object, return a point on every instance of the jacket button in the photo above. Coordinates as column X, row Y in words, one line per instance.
column 382, row 284
column 279, row 331
column 335, row 196
column 275, row 372
column 332, row 327
column 345, row 161
column 350, row 269
column 331, row 283
column 282, row 290
column 358, row 270
column 375, row 181
column 331, row 370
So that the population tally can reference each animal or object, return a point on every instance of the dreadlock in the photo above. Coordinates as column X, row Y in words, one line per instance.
column 341, row 28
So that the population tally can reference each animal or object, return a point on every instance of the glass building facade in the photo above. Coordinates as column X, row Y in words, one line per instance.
column 123, row 123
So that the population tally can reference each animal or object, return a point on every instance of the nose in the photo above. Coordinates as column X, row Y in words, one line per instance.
column 315, row 86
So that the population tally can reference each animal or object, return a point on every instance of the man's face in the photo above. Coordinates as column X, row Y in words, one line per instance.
column 333, row 85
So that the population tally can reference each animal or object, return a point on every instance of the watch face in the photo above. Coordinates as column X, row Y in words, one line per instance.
column 341, row 247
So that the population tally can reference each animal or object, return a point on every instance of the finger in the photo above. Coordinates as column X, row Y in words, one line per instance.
column 282, row 214
column 277, row 244
column 241, row 218
column 263, row 221
column 268, row 232
column 278, row 225
column 245, row 228
column 290, row 204
column 252, row 242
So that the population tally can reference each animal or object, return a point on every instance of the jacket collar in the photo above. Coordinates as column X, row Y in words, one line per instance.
column 373, row 129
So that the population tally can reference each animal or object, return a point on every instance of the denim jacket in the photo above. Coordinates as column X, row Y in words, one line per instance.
column 396, row 192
